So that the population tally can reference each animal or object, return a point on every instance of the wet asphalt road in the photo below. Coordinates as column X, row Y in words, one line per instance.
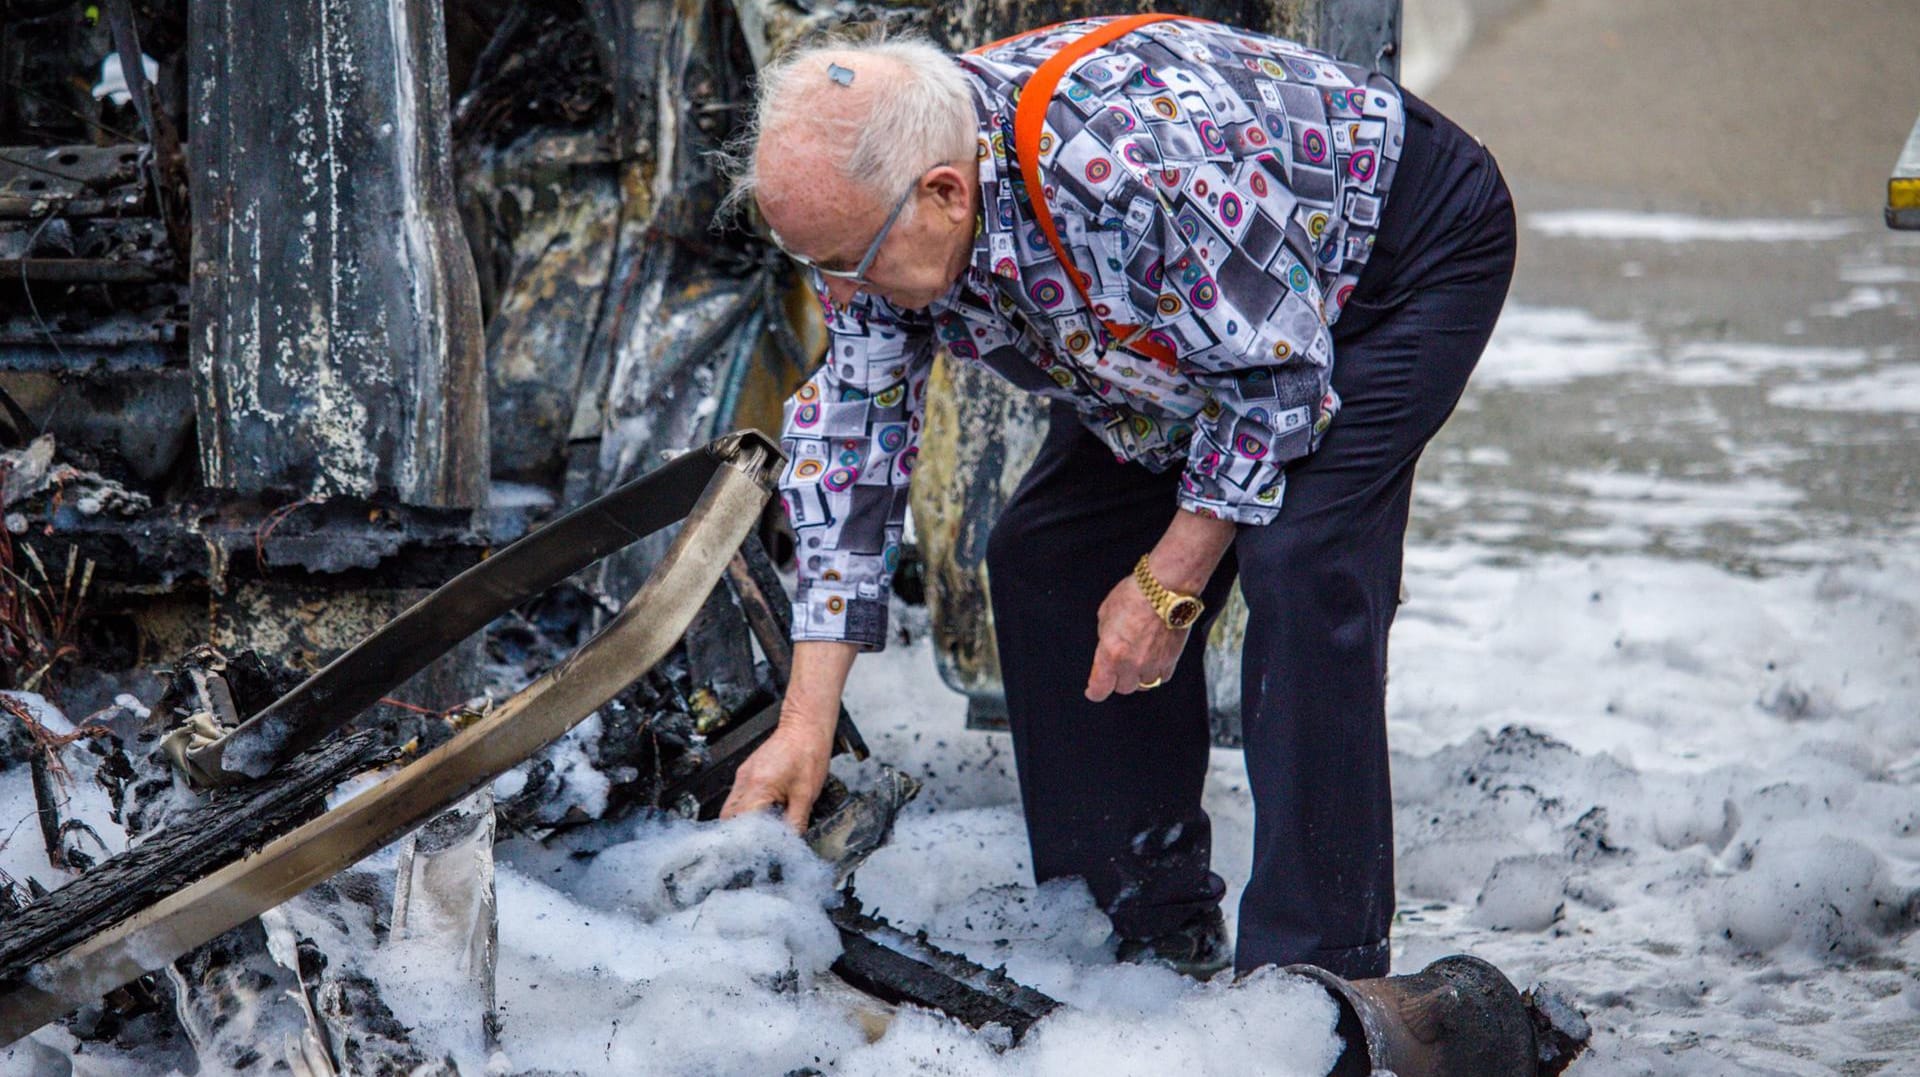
column 1752, row 402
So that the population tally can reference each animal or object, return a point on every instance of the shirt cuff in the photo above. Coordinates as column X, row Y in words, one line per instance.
column 831, row 613
column 1258, row 513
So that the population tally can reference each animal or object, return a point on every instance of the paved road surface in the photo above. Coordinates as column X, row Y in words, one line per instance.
column 1784, row 375
column 1714, row 106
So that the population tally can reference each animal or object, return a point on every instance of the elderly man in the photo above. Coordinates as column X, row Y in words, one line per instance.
column 1201, row 244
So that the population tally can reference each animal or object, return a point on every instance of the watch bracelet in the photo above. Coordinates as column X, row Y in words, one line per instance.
column 1158, row 594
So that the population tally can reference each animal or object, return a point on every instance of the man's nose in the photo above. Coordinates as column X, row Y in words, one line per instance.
column 841, row 291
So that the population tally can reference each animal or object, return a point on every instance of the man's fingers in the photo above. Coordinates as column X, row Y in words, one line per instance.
column 751, row 791
column 797, row 811
column 1100, row 678
column 744, row 799
column 1126, row 673
column 1111, row 673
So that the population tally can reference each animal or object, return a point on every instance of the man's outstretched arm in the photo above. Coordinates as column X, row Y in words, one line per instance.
column 789, row 769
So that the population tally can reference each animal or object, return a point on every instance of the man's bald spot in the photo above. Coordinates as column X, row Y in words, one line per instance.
column 801, row 155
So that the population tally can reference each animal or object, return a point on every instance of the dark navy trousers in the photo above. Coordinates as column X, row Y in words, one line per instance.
column 1112, row 790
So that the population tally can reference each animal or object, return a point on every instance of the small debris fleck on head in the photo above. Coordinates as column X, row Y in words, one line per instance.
column 841, row 75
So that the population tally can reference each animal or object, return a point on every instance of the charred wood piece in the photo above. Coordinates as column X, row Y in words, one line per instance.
column 226, row 827
column 14, row 896
column 27, row 734
column 896, row 967
column 47, row 809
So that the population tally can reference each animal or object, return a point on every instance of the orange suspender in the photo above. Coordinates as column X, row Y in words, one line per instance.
column 1030, row 116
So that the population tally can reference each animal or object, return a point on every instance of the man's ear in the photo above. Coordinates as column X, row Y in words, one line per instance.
column 947, row 186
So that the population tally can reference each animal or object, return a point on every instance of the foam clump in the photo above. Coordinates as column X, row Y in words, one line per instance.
column 1523, row 893
column 1270, row 1023
column 1807, row 889
column 688, row 949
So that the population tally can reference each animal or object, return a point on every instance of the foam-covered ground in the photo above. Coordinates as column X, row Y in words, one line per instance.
column 1655, row 707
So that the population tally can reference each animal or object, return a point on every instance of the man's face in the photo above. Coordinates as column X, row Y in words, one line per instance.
column 834, row 224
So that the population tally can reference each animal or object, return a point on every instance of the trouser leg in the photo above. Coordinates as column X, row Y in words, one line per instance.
column 1321, row 585
column 1111, row 790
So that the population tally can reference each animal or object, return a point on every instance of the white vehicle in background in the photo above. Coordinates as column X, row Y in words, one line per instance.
column 1903, row 188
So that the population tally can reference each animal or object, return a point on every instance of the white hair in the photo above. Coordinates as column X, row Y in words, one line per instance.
column 925, row 118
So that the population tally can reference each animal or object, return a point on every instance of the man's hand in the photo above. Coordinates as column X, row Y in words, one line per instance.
column 788, row 770
column 1136, row 647
column 791, row 766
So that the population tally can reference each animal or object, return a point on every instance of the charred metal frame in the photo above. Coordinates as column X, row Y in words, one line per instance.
column 738, row 474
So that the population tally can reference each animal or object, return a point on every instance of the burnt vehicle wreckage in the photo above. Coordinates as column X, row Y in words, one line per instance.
column 295, row 357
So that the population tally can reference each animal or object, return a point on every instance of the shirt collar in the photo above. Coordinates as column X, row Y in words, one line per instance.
column 994, row 240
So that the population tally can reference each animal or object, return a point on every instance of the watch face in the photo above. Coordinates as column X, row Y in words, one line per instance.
column 1183, row 612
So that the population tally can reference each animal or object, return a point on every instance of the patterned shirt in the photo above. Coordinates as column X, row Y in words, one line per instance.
column 1219, row 190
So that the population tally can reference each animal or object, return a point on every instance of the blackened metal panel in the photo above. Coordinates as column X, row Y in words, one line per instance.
column 1364, row 32
column 336, row 337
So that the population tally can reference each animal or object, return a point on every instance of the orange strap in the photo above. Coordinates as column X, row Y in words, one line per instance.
column 1030, row 116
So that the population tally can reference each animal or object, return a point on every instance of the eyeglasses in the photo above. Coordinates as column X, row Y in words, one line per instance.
column 858, row 274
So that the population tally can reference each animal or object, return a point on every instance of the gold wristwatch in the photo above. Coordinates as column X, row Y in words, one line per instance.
column 1177, row 611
